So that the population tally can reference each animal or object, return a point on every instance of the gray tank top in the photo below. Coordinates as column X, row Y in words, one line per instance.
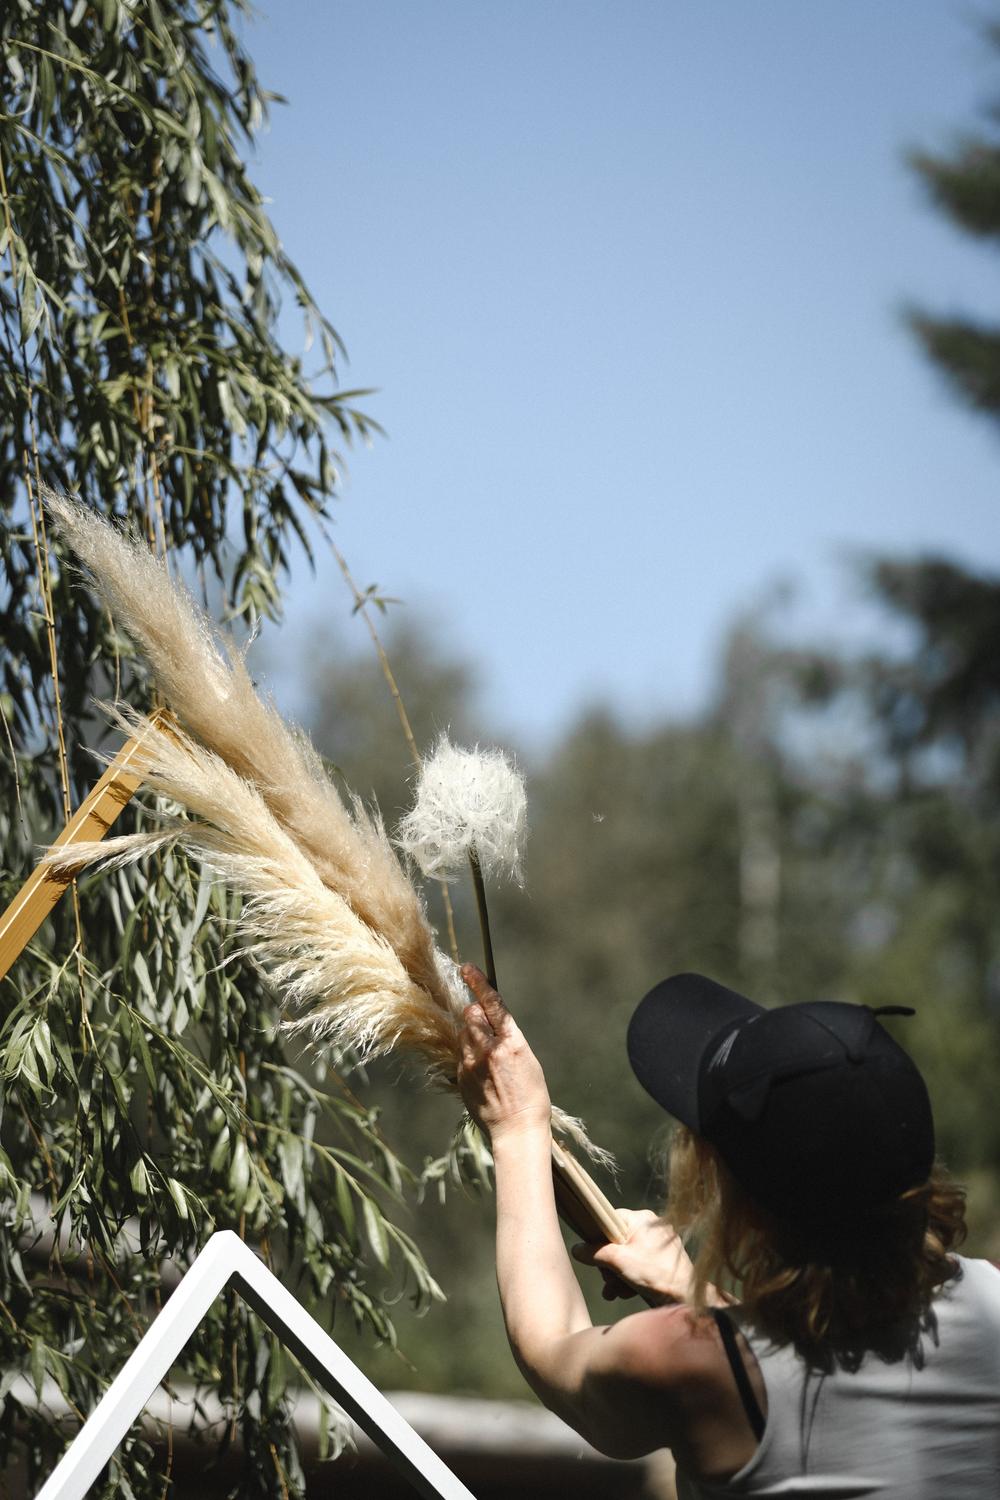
column 923, row 1429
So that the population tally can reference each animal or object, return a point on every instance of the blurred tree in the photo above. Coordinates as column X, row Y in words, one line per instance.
column 946, row 697
column 943, row 699
column 897, row 767
column 892, row 758
column 965, row 185
column 354, row 720
column 146, row 1097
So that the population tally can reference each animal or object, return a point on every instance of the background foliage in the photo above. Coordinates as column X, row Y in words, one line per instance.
column 783, row 842
column 146, row 1098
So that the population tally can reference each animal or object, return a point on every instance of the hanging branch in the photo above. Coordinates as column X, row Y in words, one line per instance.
column 145, row 363
column 32, row 484
column 361, row 607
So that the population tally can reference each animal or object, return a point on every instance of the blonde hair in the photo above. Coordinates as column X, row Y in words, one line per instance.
column 834, row 1294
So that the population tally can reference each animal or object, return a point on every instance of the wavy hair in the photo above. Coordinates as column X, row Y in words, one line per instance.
column 834, row 1293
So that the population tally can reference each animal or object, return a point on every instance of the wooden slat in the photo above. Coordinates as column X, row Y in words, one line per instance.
column 581, row 1202
column 92, row 819
column 585, row 1209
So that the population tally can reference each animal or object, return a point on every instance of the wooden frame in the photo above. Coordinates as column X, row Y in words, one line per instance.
column 227, row 1260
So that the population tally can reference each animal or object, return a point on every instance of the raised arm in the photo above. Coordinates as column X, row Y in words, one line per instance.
column 618, row 1386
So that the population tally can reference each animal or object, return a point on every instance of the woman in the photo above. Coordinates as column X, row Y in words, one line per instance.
column 863, row 1357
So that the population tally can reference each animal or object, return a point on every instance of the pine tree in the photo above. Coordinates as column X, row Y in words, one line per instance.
column 950, row 693
column 965, row 184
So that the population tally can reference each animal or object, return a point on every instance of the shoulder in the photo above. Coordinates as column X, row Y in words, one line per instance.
column 672, row 1362
column 975, row 1270
column 648, row 1381
column 668, row 1348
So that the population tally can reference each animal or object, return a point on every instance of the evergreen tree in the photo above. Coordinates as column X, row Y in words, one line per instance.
column 146, row 1095
column 950, row 694
column 965, row 184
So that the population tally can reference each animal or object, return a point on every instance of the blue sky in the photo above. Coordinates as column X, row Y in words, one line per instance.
column 628, row 277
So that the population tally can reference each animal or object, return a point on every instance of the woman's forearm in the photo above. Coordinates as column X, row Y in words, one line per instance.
column 504, row 1087
column 541, row 1298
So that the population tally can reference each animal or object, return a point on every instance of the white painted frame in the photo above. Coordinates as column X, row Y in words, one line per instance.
column 226, row 1259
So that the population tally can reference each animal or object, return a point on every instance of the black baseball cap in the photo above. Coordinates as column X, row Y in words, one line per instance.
column 814, row 1108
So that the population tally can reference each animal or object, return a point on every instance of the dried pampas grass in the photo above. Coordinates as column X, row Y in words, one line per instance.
column 328, row 909
column 342, row 977
column 204, row 681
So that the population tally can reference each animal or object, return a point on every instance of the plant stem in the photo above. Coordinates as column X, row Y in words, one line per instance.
column 484, row 917
column 361, row 607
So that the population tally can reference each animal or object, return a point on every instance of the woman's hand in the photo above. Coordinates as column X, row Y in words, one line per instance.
column 651, row 1259
column 500, row 1078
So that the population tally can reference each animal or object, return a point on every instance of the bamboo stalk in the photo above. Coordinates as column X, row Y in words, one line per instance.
column 33, row 485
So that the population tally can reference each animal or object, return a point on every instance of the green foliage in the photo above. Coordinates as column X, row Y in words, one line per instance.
column 146, row 1095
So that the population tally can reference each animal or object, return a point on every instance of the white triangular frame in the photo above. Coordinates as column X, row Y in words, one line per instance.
column 224, row 1260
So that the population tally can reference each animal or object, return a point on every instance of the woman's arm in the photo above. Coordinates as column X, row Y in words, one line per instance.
column 618, row 1386
column 504, row 1087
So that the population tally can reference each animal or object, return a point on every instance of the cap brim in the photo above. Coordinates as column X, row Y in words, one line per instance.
column 670, row 1032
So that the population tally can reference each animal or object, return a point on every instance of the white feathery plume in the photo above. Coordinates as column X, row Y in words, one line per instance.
column 471, row 806
column 466, row 802
column 203, row 679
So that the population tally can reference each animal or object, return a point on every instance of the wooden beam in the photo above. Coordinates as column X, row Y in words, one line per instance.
column 92, row 819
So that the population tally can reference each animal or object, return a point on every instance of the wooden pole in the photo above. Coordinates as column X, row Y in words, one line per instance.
column 581, row 1203
column 585, row 1209
column 92, row 819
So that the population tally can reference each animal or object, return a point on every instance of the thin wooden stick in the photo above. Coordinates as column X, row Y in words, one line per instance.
column 583, row 1206
column 92, row 819
column 41, row 545
column 581, row 1202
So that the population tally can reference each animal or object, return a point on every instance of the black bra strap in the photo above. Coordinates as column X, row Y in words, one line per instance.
column 750, row 1403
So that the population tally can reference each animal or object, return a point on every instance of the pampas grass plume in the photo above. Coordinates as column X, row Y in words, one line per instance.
column 329, row 910
column 204, row 680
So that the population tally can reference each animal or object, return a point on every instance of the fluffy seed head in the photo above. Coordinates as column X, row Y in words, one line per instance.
column 465, row 800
